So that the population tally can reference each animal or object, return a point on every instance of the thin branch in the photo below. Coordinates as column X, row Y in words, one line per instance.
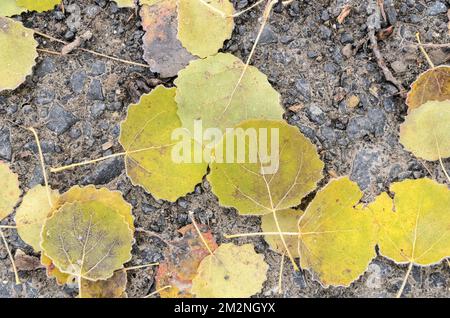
column 157, row 291
column 16, row 274
column 402, row 287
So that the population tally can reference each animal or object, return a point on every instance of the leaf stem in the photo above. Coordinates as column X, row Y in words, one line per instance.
column 430, row 62
column 402, row 287
column 191, row 215
column 16, row 274
column 260, row 234
column 294, row 264
column 280, row 276
column 88, row 162
column 140, row 266
column 157, row 291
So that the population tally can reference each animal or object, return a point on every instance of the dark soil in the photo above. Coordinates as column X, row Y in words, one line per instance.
column 77, row 102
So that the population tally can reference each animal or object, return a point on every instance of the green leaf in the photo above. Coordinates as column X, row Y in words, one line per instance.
column 207, row 91
column 245, row 187
column 426, row 131
column 415, row 226
column 337, row 239
column 38, row 5
column 232, row 272
column 146, row 136
column 87, row 240
column 203, row 25
column 9, row 190
column 18, row 53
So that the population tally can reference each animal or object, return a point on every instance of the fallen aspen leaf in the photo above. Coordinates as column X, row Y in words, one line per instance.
column 53, row 271
column 9, row 8
column 38, row 5
column 232, row 272
column 113, row 287
column 9, row 190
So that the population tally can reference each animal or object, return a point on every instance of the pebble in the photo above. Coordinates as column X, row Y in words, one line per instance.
column 358, row 127
column 303, row 88
column 97, row 109
column 268, row 36
column 95, row 91
column 437, row 8
column 364, row 163
column 105, row 172
column 45, row 67
column 77, row 81
column 98, row 68
column 315, row 114
column 5, row 144
column 60, row 120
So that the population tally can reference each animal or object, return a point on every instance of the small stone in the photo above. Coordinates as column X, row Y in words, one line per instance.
column 95, row 90
column 59, row 120
column 347, row 51
column 77, row 81
column 437, row 8
column 325, row 33
column 315, row 114
column 399, row 67
column 98, row 68
column 353, row 101
column 105, row 172
column 378, row 119
column 303, row 88
column 37, row 177
column 5, row 144
column 358, row 127
column 97, row 109
column 363, row 167
column 45, row 67
column 346, row 38
column 268, row 36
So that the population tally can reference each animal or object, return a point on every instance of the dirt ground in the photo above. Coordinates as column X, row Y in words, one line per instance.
column 77, row 102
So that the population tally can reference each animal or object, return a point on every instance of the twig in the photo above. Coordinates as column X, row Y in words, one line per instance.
column 402, row 287
column 16, row 274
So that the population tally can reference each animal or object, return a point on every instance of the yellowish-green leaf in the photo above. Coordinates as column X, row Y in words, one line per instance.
column 38, row 5
column 53, row 271
column 287, row 178
column 208, row 90
column 426, row 131
column 432, row 85
column 232, row 272
column 32, row 214
column 9, row 190
column 113, row 287
column 146, row 136
column 9, row 8
column 87, row 240
column 112, row 199
column 17, row 54
column 415, row 227
column 337, row 240
column 288, row 222
column 203, row 25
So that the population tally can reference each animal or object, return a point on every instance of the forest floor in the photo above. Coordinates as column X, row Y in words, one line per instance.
column 332, row 90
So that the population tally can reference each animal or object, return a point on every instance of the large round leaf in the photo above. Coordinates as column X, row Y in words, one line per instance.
column 38, row 5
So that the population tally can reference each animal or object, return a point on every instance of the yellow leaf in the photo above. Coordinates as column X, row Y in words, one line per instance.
column 415, row 227
column 203, row 25
column 337, row 240
column 206, row 91
column 113, row 287
column 87, row 240
column 18, row 53
column 9, row 8
column 9, row 190
column 38, row 5
column 288, row 221
column 426, row 131
column 432, row 85
column 253, row 188
column 32, row 214
column 146, row 136
column 232, row 272
column 53, row 271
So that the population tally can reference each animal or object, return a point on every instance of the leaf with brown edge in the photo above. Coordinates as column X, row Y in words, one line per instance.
column 162, row 49
column 432, row 85
column 113, row 287
column 9, row 190
column 181, row 261
column 53, row 271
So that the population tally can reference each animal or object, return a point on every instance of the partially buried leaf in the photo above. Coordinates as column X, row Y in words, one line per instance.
column 232, row 272
column 32, row 214
column 203, row 26
column 113, row 287
column 288, row 221
column 18, row 53
column 181, row 261
column 87, row 240
column 162, row 49
column 146, row 136
column 415, row 226
column 432, row 85
column 208, row 90
column 9, row 190
column 38, row 5
column 337, row 239
column 281, row 172
column 9, row 8
column 426, row 131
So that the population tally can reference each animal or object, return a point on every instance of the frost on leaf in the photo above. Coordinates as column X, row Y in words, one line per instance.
column 113, row 287
column 9, row 8
column 203, row 25
column 87, row 240
column 337, row 239
column 17, row 54
column 146, row 136
column 162, row 49
column 9, row 190
column 38, row 5
column 288, row 221
column 32, row 214
column 415, row 226
column 181, row 261
column 426, row 131
column 208, row 90
column 287, row 178
column 232, row 272
column 432, row 85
